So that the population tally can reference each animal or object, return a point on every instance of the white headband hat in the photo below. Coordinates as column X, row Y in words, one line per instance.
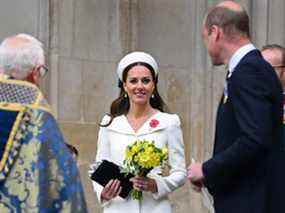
column 135, row 57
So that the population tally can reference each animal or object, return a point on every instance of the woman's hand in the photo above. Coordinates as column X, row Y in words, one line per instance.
column 111, row 190
column 144, row 184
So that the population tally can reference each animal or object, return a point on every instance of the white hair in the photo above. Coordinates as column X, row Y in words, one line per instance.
column 19, row 60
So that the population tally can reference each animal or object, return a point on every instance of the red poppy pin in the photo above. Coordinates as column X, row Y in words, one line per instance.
column 153, row 123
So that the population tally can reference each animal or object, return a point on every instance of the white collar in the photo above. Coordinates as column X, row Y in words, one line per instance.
column 238, row 55
column 121, row 124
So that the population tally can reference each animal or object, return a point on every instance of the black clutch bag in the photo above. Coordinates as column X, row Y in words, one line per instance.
column 107, row 171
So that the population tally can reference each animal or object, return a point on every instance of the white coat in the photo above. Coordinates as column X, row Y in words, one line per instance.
column 112, row 142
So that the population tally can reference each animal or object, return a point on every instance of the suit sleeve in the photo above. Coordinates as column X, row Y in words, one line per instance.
column 177, row 174
column 249, row 92
column 103, row 152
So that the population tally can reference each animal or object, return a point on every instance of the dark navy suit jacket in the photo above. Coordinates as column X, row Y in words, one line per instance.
column 245, row 174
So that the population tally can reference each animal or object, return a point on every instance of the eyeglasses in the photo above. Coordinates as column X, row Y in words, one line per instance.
column 43, row 70
column 278, row 66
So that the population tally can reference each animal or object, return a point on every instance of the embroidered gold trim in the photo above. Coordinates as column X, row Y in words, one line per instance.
column 18, row 82
column 37, row 104
column 19, row 107
column 10, row 141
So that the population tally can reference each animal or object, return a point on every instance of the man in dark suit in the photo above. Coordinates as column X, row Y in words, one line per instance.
column 243, row 175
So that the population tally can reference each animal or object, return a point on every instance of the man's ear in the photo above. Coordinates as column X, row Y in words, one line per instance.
column 33, row 76
column 215, row 32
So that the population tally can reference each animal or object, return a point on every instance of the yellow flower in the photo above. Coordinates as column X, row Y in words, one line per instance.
column 145, row 155
column 129, row 153
column 135, row 149
column 149, row 150
column 165, row 153
column 141, row 157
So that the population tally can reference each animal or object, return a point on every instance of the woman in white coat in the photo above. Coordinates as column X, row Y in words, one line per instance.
column 138, row 114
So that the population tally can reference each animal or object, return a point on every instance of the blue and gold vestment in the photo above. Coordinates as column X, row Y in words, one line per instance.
column 37, row 171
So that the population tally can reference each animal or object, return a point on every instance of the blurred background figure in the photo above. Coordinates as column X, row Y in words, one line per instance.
column 275, row 55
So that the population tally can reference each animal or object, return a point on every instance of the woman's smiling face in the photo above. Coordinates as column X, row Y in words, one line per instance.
column 139, row 85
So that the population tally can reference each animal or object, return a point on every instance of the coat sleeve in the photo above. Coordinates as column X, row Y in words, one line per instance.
column 103, row 153
column 177, row 174
column 251, row 98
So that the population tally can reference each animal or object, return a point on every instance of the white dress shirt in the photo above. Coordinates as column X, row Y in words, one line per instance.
column 238, row 55
column 234, row 61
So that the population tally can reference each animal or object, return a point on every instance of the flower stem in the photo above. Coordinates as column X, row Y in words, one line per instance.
column 137, row 195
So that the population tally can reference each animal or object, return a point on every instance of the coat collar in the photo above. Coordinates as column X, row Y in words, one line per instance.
column 154, row 123
column 238, row 55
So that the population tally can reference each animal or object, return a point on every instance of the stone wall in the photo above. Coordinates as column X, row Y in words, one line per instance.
column 84, row 41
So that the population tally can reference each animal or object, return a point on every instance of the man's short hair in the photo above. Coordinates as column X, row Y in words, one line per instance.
column 276, row 47
column 232, row 22
column 18, row 60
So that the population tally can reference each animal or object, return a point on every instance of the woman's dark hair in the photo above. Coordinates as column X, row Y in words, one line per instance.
column 121, row 105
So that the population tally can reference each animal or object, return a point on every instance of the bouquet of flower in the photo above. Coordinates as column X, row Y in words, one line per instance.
column 141, row 157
